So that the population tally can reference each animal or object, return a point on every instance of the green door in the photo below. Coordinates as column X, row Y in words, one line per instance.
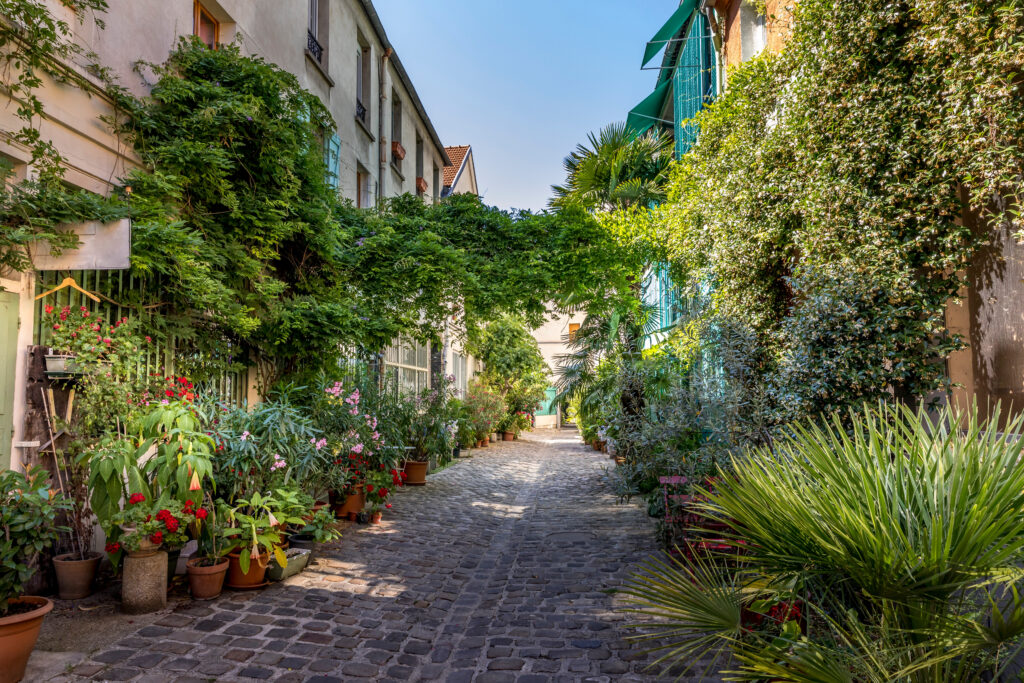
column 8, row 357
column 548, row 406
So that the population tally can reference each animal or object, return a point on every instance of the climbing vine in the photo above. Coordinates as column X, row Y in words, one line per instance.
column 827, row 194
column 36, row 48
column 255, row 251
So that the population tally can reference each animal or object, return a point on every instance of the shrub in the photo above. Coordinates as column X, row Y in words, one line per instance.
column 903, row 537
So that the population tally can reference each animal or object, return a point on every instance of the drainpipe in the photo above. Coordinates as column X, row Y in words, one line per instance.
column 382, row 80
column 707, row 8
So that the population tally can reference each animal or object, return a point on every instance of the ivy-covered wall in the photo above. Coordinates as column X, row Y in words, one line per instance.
column 826, row 195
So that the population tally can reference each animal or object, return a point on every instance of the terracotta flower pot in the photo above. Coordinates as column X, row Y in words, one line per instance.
column 256, row 575
column 375, row 517
column 75, row 576
column 206, row 582
column 416, row 472
column 508, row 436
column 146, row 548
column 351, row 505
column 18, row 635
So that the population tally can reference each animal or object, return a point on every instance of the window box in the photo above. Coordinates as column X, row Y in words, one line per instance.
column 397, row 150
column 421, row 185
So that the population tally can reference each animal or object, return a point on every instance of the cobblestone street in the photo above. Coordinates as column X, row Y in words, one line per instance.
column 498, row 570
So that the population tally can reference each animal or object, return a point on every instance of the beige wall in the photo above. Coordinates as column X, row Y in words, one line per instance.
column 551, row 339
column 466, row 180
column 276, row 31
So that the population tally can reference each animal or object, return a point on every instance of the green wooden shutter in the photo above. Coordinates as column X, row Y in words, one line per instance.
column 8, row 358
column 695, row 85
column 332, row 160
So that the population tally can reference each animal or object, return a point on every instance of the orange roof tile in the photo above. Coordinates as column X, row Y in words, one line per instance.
column 458, row 155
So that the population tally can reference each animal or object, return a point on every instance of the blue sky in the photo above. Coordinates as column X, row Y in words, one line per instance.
column 523, row 81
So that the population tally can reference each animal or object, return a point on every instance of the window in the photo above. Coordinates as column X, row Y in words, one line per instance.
column 573, row 329
column 205, row 26
column 316, row 32
column 420, row 180
column 332, row 159
column 364, row 189
column 397, row 150
column 362, row 82
column 460, row 371
column 409, row 360
column 437, row 183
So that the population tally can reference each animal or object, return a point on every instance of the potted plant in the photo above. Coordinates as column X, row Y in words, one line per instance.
column 296, row 560
column 321, row 527
column 207, row 568
column 76, row 569
column 28, row 514
column 378, row 490
column 253, row 528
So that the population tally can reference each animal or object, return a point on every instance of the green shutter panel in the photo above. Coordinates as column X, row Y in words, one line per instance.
column 332, row 160
column 694, row 79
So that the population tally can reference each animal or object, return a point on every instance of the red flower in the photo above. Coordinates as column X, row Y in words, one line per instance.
column 369, row 488
column 157, row 537
column 49, row 308
column 201, row 513
column 387, row 505
column 163, row 514
column 169, row 392
column 136, row 498
column 112, row 547
column 172, row 524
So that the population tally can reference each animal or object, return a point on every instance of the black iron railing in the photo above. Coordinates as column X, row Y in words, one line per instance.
column 314, row 47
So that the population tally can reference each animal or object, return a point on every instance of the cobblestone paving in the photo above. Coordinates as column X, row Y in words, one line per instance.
column 497, row 571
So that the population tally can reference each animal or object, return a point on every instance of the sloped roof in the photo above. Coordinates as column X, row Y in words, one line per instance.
column 458, row 156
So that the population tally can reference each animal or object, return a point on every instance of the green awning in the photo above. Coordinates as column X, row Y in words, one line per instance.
column 669, row 30
column 647, row 113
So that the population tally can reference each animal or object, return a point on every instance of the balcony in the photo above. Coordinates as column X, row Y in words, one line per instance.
column 314, row 47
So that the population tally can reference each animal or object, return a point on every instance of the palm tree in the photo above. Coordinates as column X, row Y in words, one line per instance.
column 617, row 170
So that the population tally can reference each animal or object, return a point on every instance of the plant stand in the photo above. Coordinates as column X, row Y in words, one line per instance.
column 144, row 587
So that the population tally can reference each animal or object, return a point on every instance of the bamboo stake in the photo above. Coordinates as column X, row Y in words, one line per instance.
column 56, row 459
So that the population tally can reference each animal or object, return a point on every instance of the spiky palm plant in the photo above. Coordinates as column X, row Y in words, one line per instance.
column 615, row 170
column 902, row 532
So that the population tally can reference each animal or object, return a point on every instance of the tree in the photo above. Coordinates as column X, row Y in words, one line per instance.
column 618, row 177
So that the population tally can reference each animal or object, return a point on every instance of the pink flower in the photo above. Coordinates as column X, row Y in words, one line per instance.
column 357, row 449
column 354, row 411
column 149, row 340
column 245, row 435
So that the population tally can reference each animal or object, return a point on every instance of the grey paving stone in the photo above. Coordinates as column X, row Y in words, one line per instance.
column 497, row 570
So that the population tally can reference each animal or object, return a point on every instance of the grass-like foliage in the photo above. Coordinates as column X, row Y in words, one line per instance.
column 899, row 533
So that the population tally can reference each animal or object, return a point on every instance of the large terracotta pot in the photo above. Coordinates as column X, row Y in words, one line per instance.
column 18, row 635
column 508, row 436
column 416, row 472
column 483, row 443
column 206, row 582
column 352, row 505
column 256, row 575
column 74, row 576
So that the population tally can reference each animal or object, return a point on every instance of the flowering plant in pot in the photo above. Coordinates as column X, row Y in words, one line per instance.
column 146, row 527
column 354, row 441
column 208, row 565
column 379, row 485
column 321, row 527
column 484, row 408
column 254, row 528
column 28, row 515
